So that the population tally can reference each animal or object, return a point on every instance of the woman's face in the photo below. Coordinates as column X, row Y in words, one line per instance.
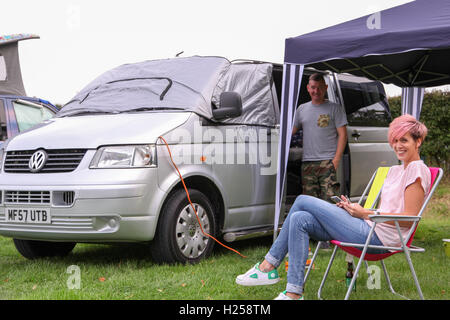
column 406, row 148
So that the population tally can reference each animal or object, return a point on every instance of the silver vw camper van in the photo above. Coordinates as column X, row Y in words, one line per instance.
column 101, row 171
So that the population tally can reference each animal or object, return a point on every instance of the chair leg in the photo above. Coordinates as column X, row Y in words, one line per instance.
column 367, row 268
column 413, row 272
column 388, row 280
column 386, row 275
column 355, row 275
column 408, row 259
column 361, row 259
column 312, row 262
column 319, row 292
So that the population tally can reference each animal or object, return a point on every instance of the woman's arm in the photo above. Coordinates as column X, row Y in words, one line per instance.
column 414, row 197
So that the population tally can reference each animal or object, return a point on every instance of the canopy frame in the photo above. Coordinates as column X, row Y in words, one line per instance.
column 409, row 47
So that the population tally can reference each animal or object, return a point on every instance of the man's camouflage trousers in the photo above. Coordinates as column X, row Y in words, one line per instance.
column 319, row 179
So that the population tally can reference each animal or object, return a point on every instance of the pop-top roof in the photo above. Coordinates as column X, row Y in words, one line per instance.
column 10, row 74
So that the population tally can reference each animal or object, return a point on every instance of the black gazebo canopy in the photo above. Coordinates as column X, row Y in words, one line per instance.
column 408, row 45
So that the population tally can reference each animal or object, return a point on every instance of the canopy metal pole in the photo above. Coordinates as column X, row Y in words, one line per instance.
column 292, row 76
column 412, row 98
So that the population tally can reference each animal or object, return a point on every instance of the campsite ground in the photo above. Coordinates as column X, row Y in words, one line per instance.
column 126, row 271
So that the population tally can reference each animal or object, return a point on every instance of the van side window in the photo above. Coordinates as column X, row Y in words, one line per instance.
column 28, row 116
column 365, row 104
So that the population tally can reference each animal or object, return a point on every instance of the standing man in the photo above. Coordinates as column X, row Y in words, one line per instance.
column 324, row 126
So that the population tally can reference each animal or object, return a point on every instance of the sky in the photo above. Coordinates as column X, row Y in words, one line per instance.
column 81, row 39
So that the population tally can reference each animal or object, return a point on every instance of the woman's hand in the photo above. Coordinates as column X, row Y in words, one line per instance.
column 354, row 209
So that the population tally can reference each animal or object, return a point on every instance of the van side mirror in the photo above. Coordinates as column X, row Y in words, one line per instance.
column 230, row 106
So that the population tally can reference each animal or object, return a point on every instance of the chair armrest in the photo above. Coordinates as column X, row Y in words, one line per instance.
column 384, row 218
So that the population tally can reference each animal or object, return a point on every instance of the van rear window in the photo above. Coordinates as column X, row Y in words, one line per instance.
column 365, row 104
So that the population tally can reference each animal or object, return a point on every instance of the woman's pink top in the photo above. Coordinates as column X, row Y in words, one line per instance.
column 393, row 198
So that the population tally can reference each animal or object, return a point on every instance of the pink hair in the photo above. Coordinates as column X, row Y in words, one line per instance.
column 406, row 124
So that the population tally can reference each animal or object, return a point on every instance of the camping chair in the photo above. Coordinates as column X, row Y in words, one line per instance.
column 375, row 184
column 406, row 247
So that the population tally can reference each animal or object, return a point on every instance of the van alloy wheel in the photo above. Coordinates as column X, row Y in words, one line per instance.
column 190, row 239
column 178, row 237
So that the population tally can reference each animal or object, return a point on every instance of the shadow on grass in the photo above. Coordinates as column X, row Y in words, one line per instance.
column 140, row 253
column 109, row 253
column 243, row 245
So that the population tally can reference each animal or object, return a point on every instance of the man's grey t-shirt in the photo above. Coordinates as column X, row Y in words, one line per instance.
column 319, row 123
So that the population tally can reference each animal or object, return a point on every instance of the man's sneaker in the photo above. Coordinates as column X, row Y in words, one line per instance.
column 255, row 277
column 283, row 296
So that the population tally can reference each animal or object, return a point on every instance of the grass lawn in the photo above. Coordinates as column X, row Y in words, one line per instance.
column 127, row 272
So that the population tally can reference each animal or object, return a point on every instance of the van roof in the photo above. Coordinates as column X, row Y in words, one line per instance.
column 6, row 39
column 10, row 74
column 178, row 83
column 186, row 83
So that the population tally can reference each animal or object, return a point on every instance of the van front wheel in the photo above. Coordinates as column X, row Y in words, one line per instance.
column 31, row 249
column 179, row 237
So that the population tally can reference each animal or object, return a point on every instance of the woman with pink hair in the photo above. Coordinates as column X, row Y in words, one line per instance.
column 404, row 192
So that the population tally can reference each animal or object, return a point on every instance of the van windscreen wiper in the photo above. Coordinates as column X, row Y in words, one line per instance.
column 151, row 109
column 161, row 96
column 86, row 113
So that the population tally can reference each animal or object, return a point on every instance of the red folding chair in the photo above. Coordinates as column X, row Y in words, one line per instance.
column 360, row 250
column 368, row 199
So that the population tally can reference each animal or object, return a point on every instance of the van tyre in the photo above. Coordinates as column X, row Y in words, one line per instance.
column 178, row 235
column 32, row 249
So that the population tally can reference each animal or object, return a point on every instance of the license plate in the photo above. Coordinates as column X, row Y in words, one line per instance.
column 28, row 215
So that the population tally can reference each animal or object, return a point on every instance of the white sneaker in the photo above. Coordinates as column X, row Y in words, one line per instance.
column 255, row 277
column 283, row 296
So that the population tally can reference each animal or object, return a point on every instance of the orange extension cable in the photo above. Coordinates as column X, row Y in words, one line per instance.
column 189, row 198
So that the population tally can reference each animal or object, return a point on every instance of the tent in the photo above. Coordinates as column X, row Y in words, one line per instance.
column 10, row 74
column 408, row 46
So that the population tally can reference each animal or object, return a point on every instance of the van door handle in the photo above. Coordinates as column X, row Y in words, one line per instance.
column 356, row 135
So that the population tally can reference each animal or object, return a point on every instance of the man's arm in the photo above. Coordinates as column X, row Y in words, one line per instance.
column 342, row 141
column 297, row 123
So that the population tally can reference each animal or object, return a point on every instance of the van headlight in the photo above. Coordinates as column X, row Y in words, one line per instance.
column 133, row 156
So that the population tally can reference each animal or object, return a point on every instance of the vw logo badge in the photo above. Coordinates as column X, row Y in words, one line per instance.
column 37, row 160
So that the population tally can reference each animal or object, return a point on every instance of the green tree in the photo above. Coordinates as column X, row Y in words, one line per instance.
column 435, row 115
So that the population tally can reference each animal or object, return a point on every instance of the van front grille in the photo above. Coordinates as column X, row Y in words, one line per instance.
column 59, row 160
column 26, row 197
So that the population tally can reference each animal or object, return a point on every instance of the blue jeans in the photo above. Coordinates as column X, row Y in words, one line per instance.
column 313, row 218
